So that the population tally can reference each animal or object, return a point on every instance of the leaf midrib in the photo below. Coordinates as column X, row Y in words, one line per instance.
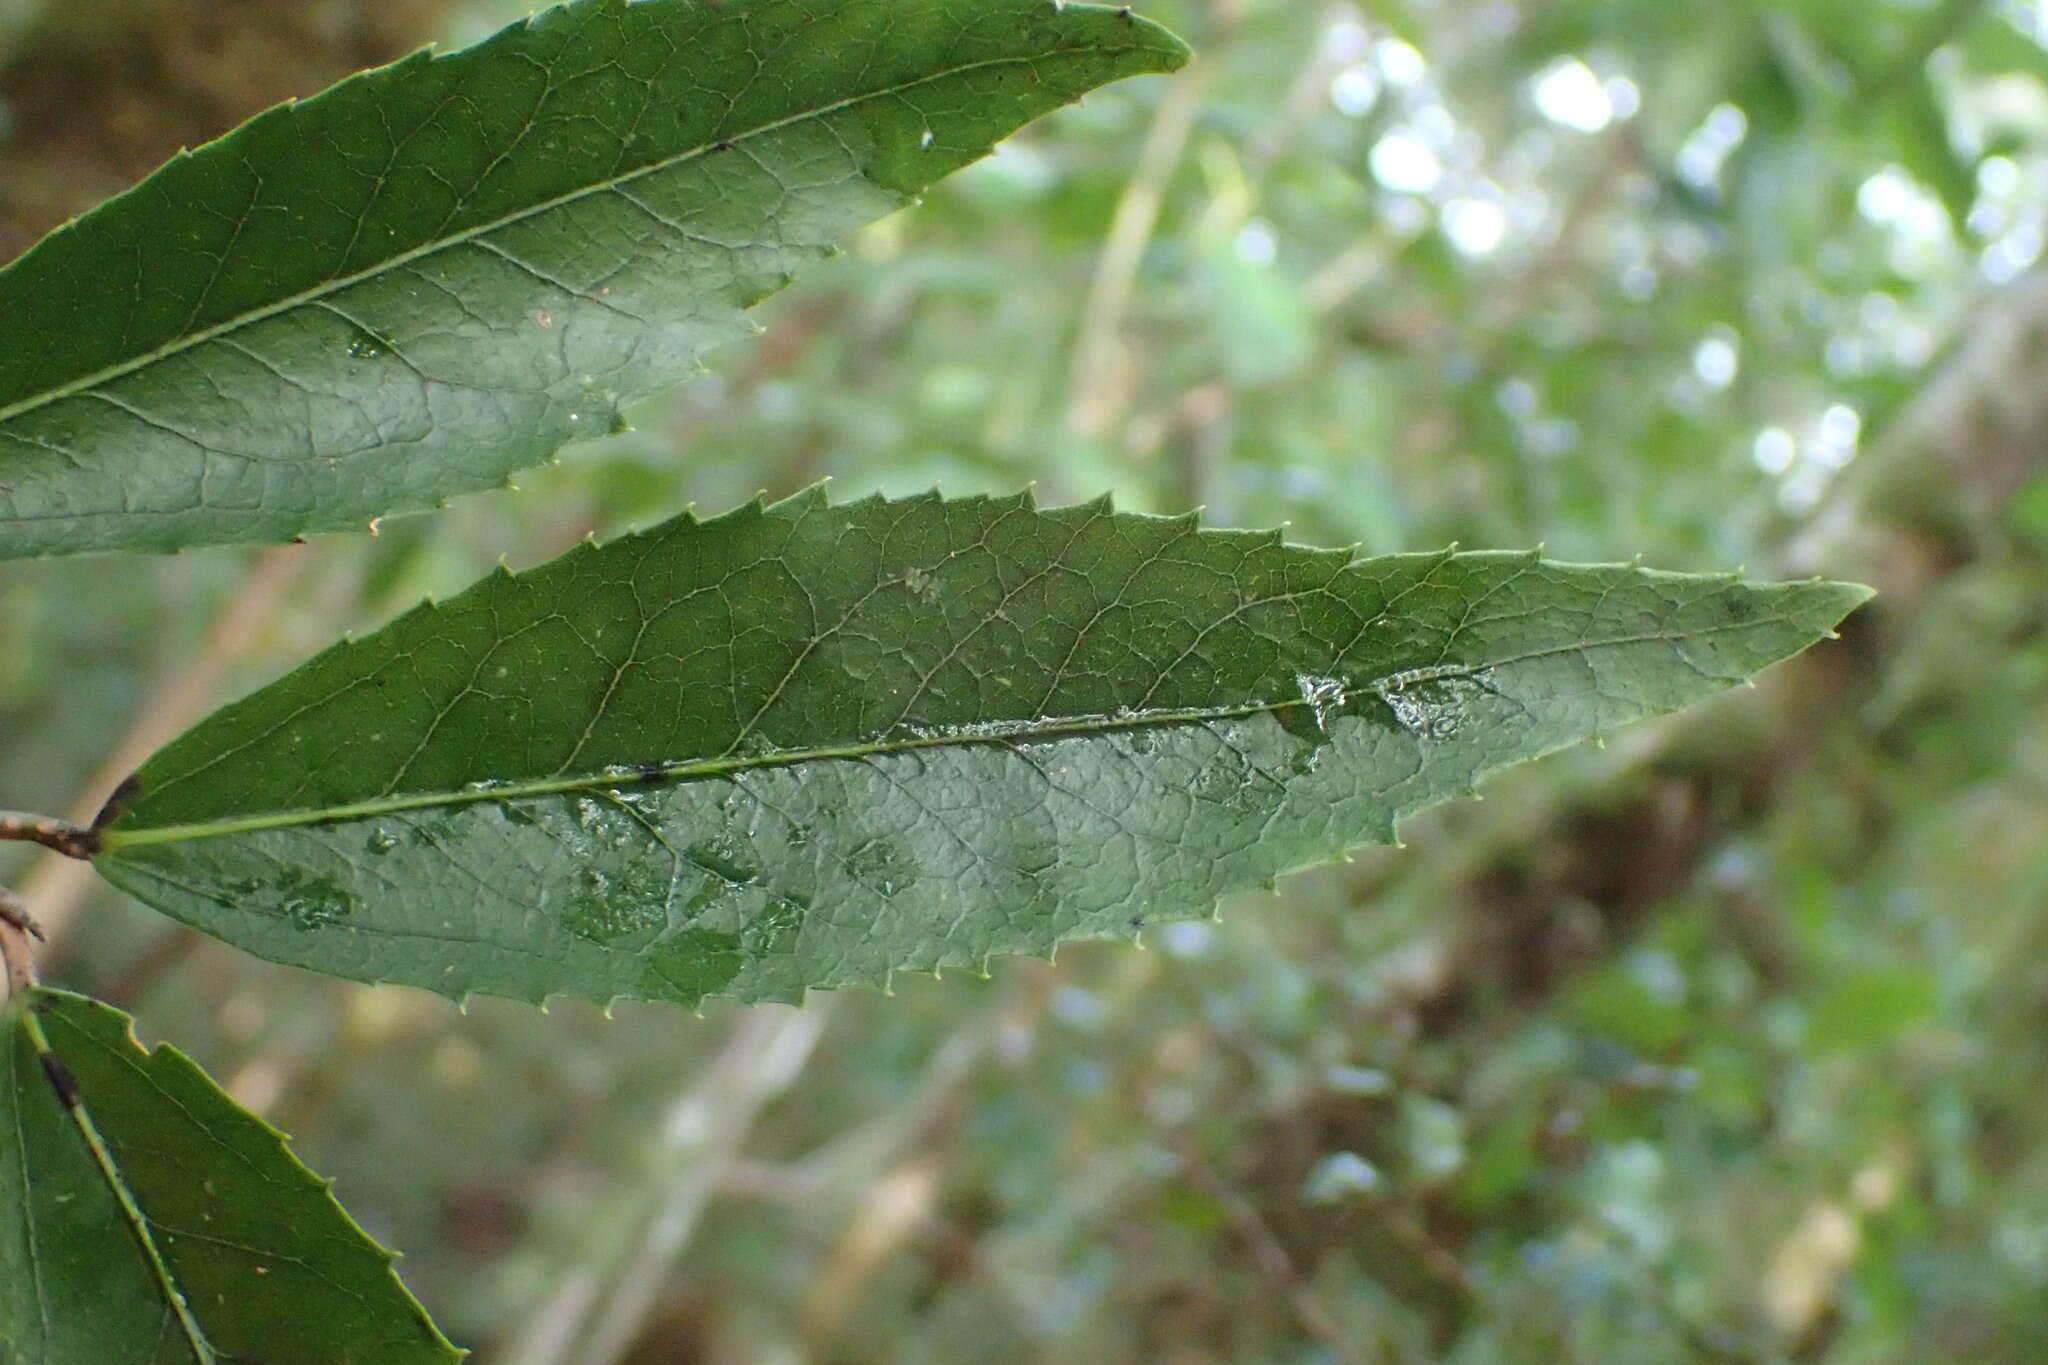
column 327, row 288
column 131, row 1212
column 973, row 735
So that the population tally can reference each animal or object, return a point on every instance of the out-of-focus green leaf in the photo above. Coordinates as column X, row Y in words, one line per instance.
column 440, row 272
column 1920, row 128
column 810, row 745
column 145, row 1217
column 1866, row 1008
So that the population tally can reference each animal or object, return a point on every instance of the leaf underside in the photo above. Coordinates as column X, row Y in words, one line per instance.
column 442, row 271
column 808, row 745
column 145, row 1218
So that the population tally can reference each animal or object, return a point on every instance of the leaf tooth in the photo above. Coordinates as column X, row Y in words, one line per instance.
column 812, row 498
column 1330, row 560
column 795, row 996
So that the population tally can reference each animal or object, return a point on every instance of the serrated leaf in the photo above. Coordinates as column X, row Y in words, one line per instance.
column 808, row 745
column 145, row 1217
column 442, row 271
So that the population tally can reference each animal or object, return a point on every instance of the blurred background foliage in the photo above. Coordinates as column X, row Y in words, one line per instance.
column 1728, row 1042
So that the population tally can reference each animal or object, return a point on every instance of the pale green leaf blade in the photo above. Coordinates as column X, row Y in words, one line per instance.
column 440, row 272
column 145, row 1217
column 808, row 745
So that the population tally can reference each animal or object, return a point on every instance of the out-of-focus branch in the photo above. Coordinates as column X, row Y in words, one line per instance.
column 55, row 885
column 598, row 1313
column 1983, row 400
column 1099, row 383
column 910, row 1135
column 895, row 1207
column 1307, row 97
column 1271, row 1257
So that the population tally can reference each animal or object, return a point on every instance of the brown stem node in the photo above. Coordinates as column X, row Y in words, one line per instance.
column 73, row 841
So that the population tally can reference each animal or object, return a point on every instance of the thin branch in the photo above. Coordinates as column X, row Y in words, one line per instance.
column 60, row 836
column 16, row 929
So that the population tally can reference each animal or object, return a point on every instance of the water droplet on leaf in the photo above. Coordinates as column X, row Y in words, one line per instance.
column 774, row 930
column 367, row 345
column 882, row 867
column 923, row 583
column 723, row 857
column 1325, row 696
column 309, row 902
column 1434, row 708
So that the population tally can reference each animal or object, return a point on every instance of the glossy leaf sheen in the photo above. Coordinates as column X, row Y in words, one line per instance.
column 154, row 1221
column 808, row 745
column 440, row 272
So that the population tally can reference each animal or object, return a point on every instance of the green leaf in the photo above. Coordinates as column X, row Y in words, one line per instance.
column 442, row 271
column 808, row 745
column 145, row 1217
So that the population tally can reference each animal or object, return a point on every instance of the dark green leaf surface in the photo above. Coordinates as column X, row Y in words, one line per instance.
column 442, row 271
column 146, row 1219
column 808, row 745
